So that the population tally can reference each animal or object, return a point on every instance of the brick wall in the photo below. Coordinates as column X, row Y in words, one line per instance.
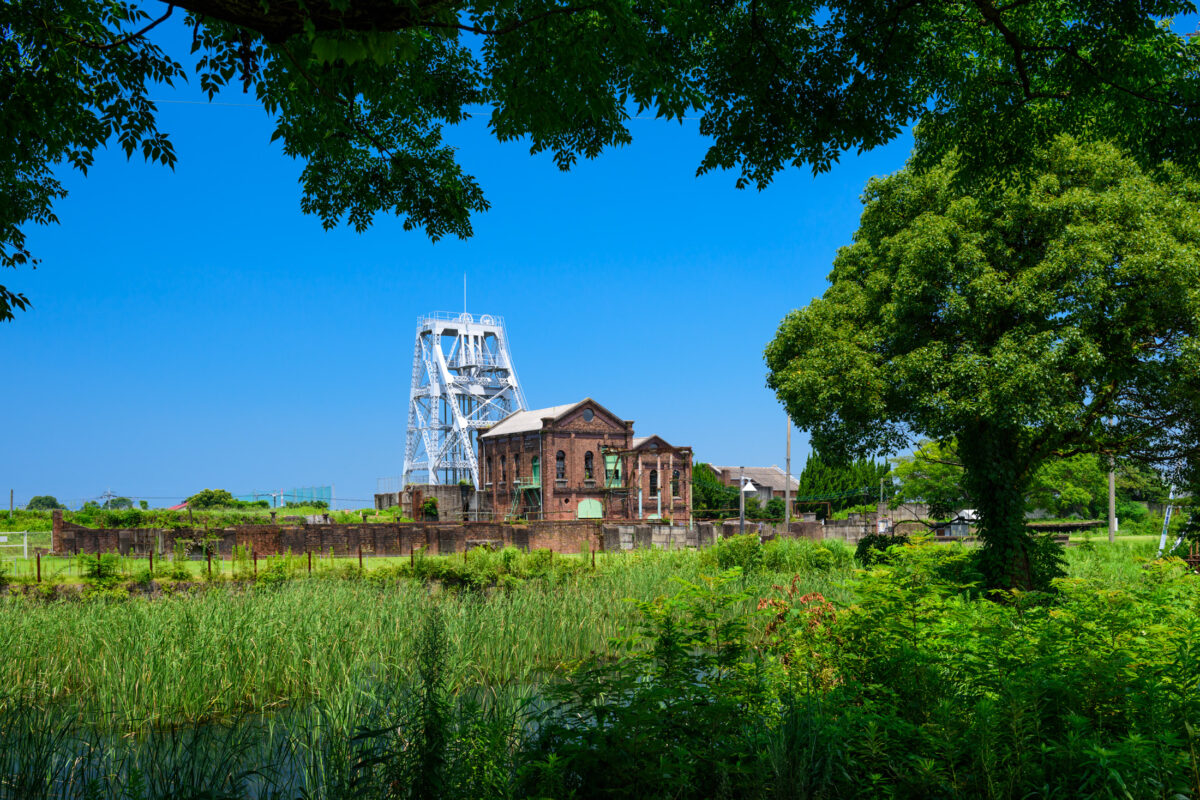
column 566, row 536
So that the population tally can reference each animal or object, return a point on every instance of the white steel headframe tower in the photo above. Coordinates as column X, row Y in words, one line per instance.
column 462, row 380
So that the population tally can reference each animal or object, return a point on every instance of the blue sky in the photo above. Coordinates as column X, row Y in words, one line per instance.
column 193, row 329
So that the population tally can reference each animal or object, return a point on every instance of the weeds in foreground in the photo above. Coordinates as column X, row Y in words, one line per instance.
column 906, row 683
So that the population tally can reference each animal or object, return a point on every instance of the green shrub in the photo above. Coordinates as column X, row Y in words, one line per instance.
column 680, row 714
column 1131, row 511
column 803, row 555
column 872, row 549
column 743, row 551
column 277, row 570
column 100, row 568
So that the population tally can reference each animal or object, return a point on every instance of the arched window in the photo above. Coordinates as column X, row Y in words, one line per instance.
column 517, row 467
column 588, row 473
column 487, row 470
column 503, row 469
column 560, row 466
column 654, row 483
column 675, row 484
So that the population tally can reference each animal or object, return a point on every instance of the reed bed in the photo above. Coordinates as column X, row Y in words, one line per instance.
column 257, row 689
column 227, row 649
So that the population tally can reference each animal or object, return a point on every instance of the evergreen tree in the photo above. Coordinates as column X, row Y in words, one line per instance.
column 841, row 485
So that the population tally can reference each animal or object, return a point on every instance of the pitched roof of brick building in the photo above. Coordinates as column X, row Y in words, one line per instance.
column 529, row 420
column 772, row 477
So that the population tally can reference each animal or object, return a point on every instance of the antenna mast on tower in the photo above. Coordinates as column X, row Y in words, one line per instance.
column 462, row 380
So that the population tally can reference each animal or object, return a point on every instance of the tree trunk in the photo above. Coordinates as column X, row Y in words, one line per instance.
column 997, row 478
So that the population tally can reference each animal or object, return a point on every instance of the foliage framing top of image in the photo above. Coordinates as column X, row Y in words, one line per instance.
column 361, row 92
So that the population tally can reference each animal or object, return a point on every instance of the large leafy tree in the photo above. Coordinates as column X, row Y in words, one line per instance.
column 44, row 502
column 1028, row 323
column 211, row 498
column 361, row 91
column 711, row 499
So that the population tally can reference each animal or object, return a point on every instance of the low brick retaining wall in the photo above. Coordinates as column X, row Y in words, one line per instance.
column 395, row 539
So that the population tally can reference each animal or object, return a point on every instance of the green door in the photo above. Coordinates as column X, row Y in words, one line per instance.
column 590, row 509
column 537, row 472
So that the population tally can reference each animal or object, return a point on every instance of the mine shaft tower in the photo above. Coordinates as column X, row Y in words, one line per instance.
column 462, row 380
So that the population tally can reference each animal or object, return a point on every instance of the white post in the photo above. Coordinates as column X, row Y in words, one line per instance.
column 26, row 549
column 1162, row 542
column 1112, row 502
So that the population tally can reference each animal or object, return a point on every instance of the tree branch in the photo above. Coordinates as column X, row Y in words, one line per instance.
column 512, row 26
column 1019, row 48
column 124, row 39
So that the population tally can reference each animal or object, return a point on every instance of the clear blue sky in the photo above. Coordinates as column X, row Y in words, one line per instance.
column 193, row 329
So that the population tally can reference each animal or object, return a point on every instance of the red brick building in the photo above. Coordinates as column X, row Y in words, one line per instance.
column 581, row 461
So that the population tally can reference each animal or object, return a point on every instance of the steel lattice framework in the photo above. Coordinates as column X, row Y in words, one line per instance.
column 462, row 380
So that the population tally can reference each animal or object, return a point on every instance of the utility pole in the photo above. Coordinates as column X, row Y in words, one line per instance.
column 787, row 480
column 741, row 500
column 10, row 504
column 1112, row 501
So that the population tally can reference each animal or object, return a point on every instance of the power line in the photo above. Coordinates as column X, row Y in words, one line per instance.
column 468, row 115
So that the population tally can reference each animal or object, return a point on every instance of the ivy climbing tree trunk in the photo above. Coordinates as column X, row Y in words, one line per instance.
column 997, row 475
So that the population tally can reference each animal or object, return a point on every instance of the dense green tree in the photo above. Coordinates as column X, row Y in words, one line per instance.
column 43, row 502
column 1071, row 487
column 1076, row 486
column 932, row 475
column 841, row 484
column 711, row 499
column 1027, row 322
column 211, row 498
column 774, row 508
column 361, row 92
column 117, row 503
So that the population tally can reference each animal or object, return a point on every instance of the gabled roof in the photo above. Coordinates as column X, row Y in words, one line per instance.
column 772, row 477
column 638, row 441
column 530, row 420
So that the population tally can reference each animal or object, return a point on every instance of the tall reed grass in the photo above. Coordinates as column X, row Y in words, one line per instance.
column 330, row 687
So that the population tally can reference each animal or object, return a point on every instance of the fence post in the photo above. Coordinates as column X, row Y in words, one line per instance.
column 310, row 562
column 254, row 557
column 360, row 557
column 593, row 548
column 39, row 567
column 208, row 554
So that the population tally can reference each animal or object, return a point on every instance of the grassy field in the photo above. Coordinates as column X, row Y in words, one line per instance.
column 777, row 670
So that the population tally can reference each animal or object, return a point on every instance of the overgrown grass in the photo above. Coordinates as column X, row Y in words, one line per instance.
column 22, row 520
column 740, row 671
column 222, row 650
